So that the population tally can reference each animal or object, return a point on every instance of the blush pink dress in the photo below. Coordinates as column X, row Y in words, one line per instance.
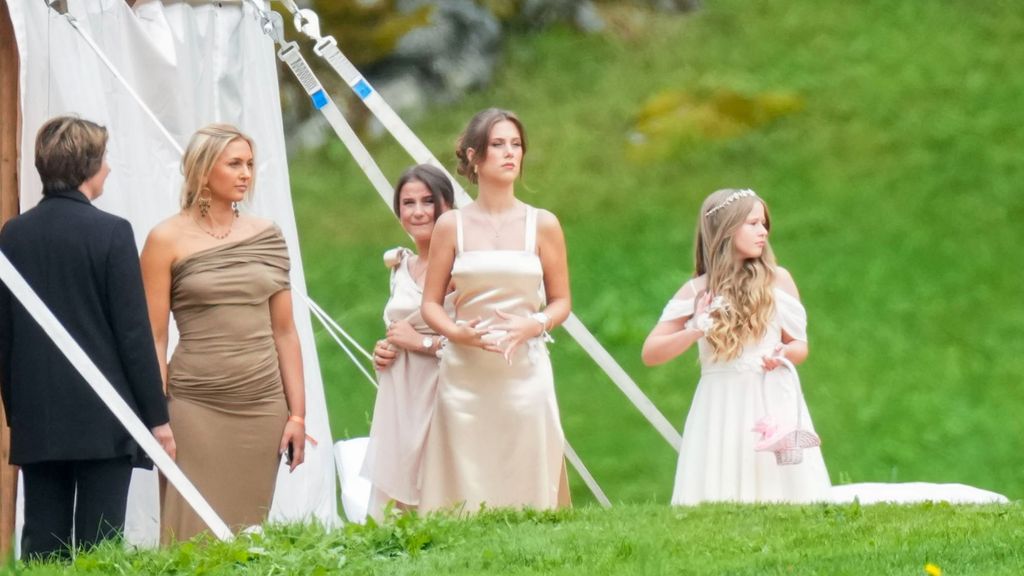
column 406, row 393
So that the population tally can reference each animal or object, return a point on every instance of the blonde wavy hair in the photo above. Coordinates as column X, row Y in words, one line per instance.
column 745, row 283
column 205, row 146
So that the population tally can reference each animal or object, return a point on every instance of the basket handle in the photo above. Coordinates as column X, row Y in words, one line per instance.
column 799, row 391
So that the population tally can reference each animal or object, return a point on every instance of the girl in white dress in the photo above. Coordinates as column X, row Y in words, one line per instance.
column 745, row 315
column 406, row 359
column 495, row 438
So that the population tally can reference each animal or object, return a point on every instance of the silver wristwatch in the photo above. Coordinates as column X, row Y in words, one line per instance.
column 428, row 343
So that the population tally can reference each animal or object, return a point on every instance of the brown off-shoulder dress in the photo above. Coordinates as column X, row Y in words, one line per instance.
column 226, row 400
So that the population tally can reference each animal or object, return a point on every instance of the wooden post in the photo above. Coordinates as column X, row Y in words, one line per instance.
column 10, row 128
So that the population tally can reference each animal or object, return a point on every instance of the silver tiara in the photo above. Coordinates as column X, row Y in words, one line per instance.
column 732, row 198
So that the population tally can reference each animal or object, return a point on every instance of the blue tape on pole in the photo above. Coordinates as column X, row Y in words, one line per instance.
column 319, row 99
column 363, row 89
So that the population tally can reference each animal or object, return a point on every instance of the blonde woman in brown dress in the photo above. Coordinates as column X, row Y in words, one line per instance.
column 235, row 383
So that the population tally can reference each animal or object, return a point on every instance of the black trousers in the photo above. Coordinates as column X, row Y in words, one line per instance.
column 51, row 510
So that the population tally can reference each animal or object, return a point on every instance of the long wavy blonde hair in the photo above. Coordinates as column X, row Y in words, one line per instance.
column 745, row 283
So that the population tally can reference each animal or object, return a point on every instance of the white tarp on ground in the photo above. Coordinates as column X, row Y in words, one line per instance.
column 913, row 492
column 192, row 62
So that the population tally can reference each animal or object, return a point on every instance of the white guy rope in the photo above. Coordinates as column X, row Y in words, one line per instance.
column 588, row 479
column 326, row 47
column 323, row 319
column 289, row 53
column 117, row 74
column 622, row 380
column 339, row 329
column 99, row 383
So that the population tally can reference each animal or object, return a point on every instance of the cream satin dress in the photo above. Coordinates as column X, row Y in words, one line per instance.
column 717, row 460
column 495, row 438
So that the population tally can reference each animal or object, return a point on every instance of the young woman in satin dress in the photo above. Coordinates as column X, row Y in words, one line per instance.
column 406, row 359
column 495, row 438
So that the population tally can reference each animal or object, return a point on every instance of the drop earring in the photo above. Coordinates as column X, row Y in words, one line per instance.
column 203, row 203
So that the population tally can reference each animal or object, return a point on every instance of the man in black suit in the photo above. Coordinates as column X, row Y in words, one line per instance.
column 84, row 265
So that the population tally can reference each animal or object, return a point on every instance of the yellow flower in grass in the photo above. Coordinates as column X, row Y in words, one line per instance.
column 932, row 570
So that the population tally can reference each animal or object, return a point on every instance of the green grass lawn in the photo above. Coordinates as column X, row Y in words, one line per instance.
column 893, row 189
column 641, row 540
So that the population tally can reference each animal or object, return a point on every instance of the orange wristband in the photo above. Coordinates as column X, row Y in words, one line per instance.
column 302, row 421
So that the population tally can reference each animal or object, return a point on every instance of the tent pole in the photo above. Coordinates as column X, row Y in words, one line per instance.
column 10, row 127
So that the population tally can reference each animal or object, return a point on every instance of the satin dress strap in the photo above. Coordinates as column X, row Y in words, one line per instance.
column 458, row 232
column 531, row 230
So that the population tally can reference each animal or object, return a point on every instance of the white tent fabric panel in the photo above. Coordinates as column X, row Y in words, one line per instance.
column 192, row 63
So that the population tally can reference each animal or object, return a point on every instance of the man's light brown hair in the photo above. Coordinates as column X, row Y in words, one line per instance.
column 69, row 151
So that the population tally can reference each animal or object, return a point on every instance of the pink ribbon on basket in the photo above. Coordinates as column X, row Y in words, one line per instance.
column 766, row 427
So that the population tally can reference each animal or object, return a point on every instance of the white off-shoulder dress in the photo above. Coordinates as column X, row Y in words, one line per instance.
column 717, row 459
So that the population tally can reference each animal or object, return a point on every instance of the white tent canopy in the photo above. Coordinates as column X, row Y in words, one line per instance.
column 192, row 63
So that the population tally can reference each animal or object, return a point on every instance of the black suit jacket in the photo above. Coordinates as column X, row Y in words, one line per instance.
column 84, row 264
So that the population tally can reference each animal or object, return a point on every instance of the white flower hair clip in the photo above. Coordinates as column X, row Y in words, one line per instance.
column 718, row 303
column 745, row 193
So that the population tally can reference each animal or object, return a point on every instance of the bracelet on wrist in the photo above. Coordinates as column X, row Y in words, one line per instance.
column 544, row 321
column 542, row 318
column 297, row 420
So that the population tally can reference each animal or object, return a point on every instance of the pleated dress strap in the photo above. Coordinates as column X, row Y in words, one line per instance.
column 531, row 230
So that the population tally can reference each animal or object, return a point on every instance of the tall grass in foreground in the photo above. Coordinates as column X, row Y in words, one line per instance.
column 629, row 540
column 896, row 205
